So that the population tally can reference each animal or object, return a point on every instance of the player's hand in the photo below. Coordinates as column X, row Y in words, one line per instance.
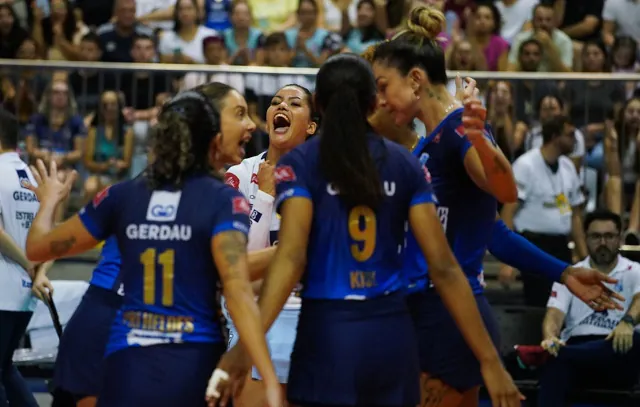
column 473, row 119
column 552, row 345
column 41, row 287
column 50, row 189
column 235, row 364
column 273, row 394
column 622, row 337
column 506, row 276
column 502, row 390
column 266, row 178
column 466, row 91
column 587, row 285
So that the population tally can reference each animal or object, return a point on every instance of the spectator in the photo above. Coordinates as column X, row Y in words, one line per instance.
column 621, row 157
column 591, row 102
column 183, row 44
column 261, row 87
column 26, row 85
column 500, row 116
column 366, row 32
column 515, row 17
column 312, row 45
column 484, row 34
column 624, row 59
column 274, row 16
column 620, row 18
column 552, row 105
column 528, row 92
column 95, row 12
column 579, row 19
column 549, row 202
column 595, row 349
column 158, row 14
column 331, row 13
column 463, row 9
column 59, row 34
column 109, row 146
column 463, row 57
column 557, row 49
column 141, row 87
column 18, row 207
column 215, row 53
column 243, row 42
column 56, row 132
column 117, row 38
column 11, row 34
column 142, row 129
column 87, row 83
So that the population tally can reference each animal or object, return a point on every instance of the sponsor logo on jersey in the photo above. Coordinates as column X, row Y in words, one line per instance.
column 254, row 179
column 554, row 294
column 284, row 173
column 255, row 215
column 424, row 157
column 232, row 180
column 97, row 200
column 24, row 179
column 239, row 204
column 163, row 206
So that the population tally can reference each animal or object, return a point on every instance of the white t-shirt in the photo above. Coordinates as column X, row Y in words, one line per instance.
column 170, row 41
column 144, row 7
column 625, row 14
column 18, row 207
column 546, row 198
column 514, row 17
column 265, row 222
column 580, row 319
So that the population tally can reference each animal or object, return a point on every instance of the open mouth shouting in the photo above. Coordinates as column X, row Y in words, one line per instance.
column 281, row 123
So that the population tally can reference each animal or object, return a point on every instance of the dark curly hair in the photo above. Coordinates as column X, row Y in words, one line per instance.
column 186, row 125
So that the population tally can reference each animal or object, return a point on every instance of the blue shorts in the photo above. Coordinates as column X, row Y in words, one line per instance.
column 79, row 365
column 355, row 353
column 160, row 375
column 443, row 351
column 280, row 339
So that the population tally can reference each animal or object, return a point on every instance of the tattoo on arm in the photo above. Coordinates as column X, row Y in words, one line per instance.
column 62, row 247
column 233, row 247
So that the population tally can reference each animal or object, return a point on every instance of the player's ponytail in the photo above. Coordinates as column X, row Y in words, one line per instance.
column 345, row 96
column 172, row 146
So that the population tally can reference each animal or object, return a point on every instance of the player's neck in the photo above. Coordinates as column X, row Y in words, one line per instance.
column 604, row 268
column 550, row 153
column 274, row 154
column 435, row 104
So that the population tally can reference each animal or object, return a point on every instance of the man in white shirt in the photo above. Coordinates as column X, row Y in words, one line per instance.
column 595, row 349
column 18, row 207
column 548, row 211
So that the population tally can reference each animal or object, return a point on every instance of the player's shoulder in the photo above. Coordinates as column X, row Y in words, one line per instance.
column 241, row 175
column 398, row 152
column 302, row 155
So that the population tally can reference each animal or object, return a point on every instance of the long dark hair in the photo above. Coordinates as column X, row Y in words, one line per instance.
column 69, row 26
column 177, row 26
column 345, row 95
column 417, row 46
column 370, row 32
column 181, row 139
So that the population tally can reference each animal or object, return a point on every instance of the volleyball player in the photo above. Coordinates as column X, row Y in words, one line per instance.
column 344, row 199
column 182, row 234
column 290, row 121
column 79, row 364
column 469, row 173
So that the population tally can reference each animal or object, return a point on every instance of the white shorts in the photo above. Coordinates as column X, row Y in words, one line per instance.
column 280, row 339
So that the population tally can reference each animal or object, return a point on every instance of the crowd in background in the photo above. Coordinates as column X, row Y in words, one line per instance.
column 98, row 121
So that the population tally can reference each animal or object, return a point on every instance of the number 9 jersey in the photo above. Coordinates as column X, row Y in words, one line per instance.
column 172, row 286
column 355, row 253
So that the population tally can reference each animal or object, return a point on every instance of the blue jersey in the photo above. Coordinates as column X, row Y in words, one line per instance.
column 354, row 253
column 171, row 283
column 106, row 273
column 466, row 212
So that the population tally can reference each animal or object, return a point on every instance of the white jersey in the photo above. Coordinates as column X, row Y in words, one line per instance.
column 18, row 207
column 581, row 320
column 265, row 222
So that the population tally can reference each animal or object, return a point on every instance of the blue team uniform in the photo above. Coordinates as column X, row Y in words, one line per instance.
column 467, row 214
column 168, row 336
column 355, row 343
column 79, row 364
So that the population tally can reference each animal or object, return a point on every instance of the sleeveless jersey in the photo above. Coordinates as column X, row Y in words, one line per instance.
column 466, row 212
column 172, row 285
column 106, row 273
column 355, row 253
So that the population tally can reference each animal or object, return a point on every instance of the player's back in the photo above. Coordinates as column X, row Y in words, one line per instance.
column 355, row 252
column 164, row 236
column 467, row 213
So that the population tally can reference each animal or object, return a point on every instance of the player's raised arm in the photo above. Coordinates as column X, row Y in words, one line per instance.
column 46, row 242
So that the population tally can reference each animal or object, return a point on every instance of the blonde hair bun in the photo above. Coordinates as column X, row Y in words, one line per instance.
column 426, row 22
